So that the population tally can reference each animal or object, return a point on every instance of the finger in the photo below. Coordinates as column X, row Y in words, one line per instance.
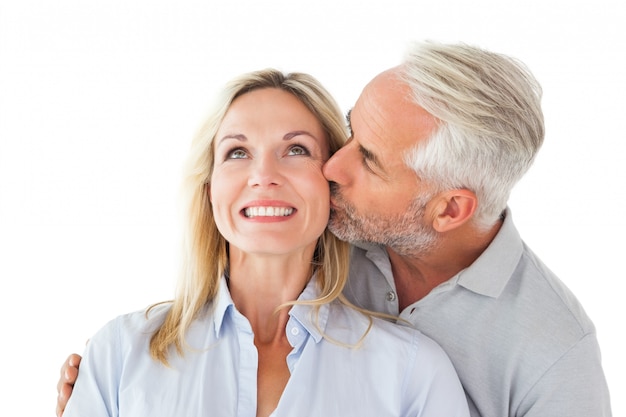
column 69, row 371
column 74, row 360
column 60, row 409
column 62, row 378
column 64, row 395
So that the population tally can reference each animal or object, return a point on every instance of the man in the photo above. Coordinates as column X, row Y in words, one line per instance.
column 421, row 189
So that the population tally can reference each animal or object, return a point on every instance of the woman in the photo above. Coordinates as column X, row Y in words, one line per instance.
column 258, row 326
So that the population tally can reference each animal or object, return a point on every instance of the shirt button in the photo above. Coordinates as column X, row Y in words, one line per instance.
column 295, row 331
column 391, row 296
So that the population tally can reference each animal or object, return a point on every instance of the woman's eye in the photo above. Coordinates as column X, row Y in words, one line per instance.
column 298, row 150
column 237, row 154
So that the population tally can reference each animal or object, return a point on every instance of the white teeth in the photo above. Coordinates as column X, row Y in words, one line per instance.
column 268, row 211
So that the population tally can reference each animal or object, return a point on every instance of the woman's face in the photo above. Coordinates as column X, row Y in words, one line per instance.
column 267, row 189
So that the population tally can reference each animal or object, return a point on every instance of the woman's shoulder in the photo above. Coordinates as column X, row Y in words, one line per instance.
column 135, row 324
column 145, row 316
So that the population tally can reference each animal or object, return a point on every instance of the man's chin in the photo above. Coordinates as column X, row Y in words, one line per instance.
column 346, row 233
column 338, row 232
column 348, row 228
column 338, row 229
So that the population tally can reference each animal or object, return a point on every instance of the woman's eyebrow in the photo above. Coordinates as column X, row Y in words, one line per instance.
column 288, row 136
column 295, row 133
column 238, row 136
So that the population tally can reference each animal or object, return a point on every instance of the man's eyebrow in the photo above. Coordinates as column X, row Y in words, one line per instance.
column 372, row 163
column 349, row 124
column 368, row 155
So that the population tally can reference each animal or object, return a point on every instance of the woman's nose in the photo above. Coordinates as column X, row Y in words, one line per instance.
column 265, row 171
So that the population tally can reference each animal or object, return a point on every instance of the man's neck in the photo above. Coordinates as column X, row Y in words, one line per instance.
column 415, row 276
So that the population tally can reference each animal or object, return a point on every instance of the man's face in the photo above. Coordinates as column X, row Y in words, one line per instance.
column 375, row 196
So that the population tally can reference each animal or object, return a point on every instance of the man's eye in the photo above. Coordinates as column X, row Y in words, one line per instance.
column 237, row 154
column 298, row 150
column 368, row 159
column 367, row 163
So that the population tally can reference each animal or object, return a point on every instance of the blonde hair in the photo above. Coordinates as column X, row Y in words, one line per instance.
column 205, row 251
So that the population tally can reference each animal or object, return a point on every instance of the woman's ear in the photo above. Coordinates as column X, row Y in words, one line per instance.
column 207, row 190
column 453, row 208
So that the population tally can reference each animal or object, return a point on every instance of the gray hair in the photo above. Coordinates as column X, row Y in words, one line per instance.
column 490, row 123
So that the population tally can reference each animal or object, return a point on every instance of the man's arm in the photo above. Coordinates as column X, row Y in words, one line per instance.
column 69, row 373
column 574, row 386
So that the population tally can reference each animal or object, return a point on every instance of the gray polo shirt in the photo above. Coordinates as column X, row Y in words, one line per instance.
column 520, row 341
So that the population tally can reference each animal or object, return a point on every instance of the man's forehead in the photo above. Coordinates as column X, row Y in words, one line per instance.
column 376, row 107
column 388, row 89
column 386, row 117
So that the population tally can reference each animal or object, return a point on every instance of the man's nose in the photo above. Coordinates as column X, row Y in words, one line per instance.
column 338, row 166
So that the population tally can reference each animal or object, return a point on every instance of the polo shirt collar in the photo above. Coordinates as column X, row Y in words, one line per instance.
column 490, row 273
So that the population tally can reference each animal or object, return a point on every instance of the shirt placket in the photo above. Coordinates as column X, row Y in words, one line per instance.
column 248, row 366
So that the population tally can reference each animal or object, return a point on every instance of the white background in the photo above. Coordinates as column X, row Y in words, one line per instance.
column 99, row 101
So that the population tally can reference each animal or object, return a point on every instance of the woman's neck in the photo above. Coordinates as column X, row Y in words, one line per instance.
column 259, row 284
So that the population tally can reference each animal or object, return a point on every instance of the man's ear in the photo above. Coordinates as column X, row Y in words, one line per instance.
column 453, row 209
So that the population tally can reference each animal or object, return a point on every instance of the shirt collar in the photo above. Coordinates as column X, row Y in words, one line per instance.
column 489, row 274
column 314, row 323
column 222, row 303
column 312, row 319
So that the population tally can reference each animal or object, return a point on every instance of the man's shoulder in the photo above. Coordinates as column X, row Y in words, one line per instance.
column 546, row 292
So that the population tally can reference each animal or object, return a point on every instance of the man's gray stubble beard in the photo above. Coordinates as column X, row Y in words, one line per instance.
column 406, row 234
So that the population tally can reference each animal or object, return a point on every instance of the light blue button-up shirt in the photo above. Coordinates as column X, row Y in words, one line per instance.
column 396, row 371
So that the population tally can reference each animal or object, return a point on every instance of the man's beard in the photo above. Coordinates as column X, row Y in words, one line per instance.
column 405, row 233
